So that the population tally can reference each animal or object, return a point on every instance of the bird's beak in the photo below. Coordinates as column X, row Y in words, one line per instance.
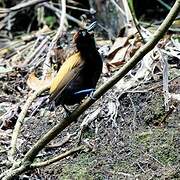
column 91, row 27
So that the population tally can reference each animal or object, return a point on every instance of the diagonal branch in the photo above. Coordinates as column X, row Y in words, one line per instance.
column 104, row 88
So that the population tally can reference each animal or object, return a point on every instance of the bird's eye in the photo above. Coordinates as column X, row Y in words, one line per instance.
column 83, row 33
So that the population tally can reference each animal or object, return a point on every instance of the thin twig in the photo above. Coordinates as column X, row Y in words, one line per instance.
column 56, row 37
column 136, row 23
column 64, row 141
column 164, row 4
column 154, row 159
column 20, row 121
column 171, row 109
column 118, row 7
column 150, row 89
column 165, row 82
column 127, row 11
column 75, row 8
column 36, row 53
column 69, row 17
column 57, row 158
column 26, row 4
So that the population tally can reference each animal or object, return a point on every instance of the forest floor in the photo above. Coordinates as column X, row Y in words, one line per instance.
column 133, row 145
column 143, row 149
column 131, row 150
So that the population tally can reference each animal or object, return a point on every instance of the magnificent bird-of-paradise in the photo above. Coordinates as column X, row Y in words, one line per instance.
column 78, row 75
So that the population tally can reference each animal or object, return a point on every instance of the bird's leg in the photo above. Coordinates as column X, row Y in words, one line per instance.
column 52, row 106
column 68, row 112
column 42, row 103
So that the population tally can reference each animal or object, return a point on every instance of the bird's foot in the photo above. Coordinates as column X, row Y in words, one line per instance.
column 52, row 106
column 68, row 112
column 92, row 96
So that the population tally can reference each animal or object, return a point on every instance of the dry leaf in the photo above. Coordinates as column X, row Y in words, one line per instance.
column 119, row 58
column 118, row 44
column 3, row 52
column 106, row 68
column 45, row 29
column 175, row 96
column 16, row 60
column 132, row 50
column 35, row 83
column 176, row 24
column 4, row 70
column 102, row 42
column 131, row 32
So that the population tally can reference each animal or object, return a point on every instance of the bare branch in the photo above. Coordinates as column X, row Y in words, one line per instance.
column 57, row 158
column 26, row 4
column 20, row 121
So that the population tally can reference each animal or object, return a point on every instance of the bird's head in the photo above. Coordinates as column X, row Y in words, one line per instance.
column 85, row 38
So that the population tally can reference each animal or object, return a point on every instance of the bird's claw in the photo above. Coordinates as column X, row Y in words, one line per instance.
column 92, row 96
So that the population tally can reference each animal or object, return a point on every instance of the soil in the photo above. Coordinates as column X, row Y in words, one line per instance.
column 133, row 144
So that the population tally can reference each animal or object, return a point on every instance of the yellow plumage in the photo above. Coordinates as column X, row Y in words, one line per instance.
column 62, row 77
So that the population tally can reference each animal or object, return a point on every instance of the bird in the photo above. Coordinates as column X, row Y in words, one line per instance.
column 79, row 74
